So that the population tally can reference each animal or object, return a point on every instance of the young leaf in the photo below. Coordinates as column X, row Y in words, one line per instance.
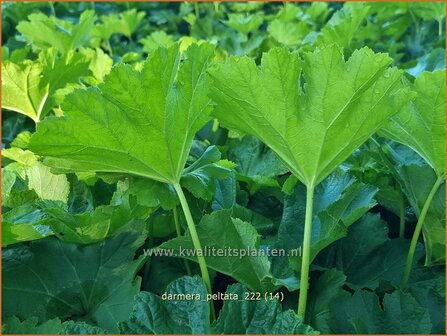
column 24, row 158
column 8, row 180
column 421, row 124
column 200, row 177
column 344, row 102
column 110, row 24
column 100, row 62
column 288, row 33
column 21, row 140
column 140, row 123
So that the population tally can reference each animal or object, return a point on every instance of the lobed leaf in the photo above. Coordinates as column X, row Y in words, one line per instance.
column 140, row 123
column 343, row 102
column 421, row 124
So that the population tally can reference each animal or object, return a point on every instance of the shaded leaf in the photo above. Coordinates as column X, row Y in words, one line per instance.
column 200, row 177
column 362, row 313
column 221, row 232
column 152, row 314
column 338, row 202
column 50, row 278
column 242, row 316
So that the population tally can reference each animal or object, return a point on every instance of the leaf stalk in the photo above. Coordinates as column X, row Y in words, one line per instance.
column 417, row 232
column 305, row 262
column 196, row 243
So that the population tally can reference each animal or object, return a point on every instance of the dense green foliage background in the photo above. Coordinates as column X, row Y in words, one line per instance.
column 74, row 230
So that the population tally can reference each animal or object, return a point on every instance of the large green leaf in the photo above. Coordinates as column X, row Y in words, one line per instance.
column 221, row 232
column 95, row 283
column 240, row 315
column 141, row 123
column 152, row 314
column 312, row 128
column 421, row 124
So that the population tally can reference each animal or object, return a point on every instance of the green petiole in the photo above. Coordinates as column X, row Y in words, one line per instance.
column 196, row 242
column 417, row 231
column 305, row 262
